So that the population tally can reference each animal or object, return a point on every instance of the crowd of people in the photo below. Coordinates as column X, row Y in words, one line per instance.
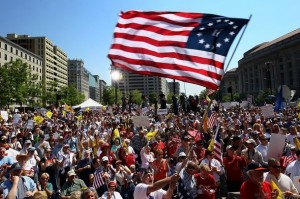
column 105, row 154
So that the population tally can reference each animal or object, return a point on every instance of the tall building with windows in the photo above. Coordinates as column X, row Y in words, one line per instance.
column 102, row 85
column 94, row 87
column 9, row 51
column 55, row 61
column 78, row 76
column 171, row 87
column 271, row 64
column 146, row 84
column 230, row 80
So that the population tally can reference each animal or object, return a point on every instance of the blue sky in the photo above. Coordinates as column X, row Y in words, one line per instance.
column 84, row 28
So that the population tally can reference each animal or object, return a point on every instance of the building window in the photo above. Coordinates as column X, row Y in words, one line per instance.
column 5, row 57
column 32, row 67
column 11, row 58
column 17, row 52
column 11, row 49
column 22, row 54
column 5, row 46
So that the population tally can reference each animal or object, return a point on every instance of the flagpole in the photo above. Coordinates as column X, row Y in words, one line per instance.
column 237, row 44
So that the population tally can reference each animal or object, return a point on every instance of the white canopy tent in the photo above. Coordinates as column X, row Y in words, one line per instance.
column 89, row 103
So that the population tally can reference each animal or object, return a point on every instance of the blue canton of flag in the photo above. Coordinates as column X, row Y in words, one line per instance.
column 215, row 34
column 279, row 101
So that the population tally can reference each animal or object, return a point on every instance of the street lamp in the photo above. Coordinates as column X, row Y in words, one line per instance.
column 115, row 76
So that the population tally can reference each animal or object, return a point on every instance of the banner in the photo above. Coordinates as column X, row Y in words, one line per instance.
column 162, row 111
column 140, row 121
column 276, row 146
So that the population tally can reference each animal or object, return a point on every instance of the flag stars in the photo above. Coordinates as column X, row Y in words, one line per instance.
column 210, row 24
column 199, row 34
column 232, row 33
column 206, row 45
column 219, row 45
column 219, row 20
column 202, row 28
column 226, row 40
column 201, row 41
column 231, row 23
column 235, row 27
column 226, row 20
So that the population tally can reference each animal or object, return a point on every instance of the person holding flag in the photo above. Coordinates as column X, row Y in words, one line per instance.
column 278, row 180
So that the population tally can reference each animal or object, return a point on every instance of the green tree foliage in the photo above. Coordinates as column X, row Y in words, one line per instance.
column 16, row 83
column 50, row 92
column 71, row 96
column 109, row 95
column 136, row 97
column 152, row 98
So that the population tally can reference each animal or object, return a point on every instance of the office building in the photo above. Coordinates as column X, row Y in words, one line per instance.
column 271, row 64
column 146, row 84
column 78, row 76
column 55, row 61
column 94, row 87
column 102, row 85
column 9, row 51
column 171, row 87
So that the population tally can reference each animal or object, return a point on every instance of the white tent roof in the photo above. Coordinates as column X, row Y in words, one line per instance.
column 89, row 103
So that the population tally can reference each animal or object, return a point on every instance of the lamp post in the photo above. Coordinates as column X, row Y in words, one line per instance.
column 268, row 75
column 115, row 76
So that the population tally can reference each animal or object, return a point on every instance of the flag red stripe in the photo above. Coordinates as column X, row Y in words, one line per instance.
column 155, row 29
column 173, row 55
column 181, row 78
column 152, row 41
column 166, row 66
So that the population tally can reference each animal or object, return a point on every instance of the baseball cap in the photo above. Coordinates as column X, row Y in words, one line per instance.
column 112, row 184
column 27, row 142
column 71, row 173
column 105, row 158
column 16, row 166
column 146, row 171
column 250, row 141
column 229, row 147
column 255, row 166
column 31, row 149
column 182, row 154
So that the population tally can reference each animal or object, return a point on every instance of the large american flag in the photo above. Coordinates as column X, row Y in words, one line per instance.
column 98, row 179
column 217, row 145
column 190, row 47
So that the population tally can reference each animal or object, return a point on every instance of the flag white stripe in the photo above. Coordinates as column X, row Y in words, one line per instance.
column 141, row 68
column 153, row 35
column 166, row 60
column 184, row 51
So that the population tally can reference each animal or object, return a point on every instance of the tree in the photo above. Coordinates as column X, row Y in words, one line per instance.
column 137, row 97
column 71, row 96
column 50, row 92
column 152, row 98
column 16, row 82
column 109, row 95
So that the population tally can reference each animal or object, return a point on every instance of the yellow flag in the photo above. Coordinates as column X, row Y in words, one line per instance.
column 297, row 142
column 298, row 105
column 211, row 144
column 79, row 118
column 205, row 121
column 49, row 114
column 68, row 108
column 207, row 98
column 63, row 113
column 274, row 186
column 1, row 118
column 104, row 108
column 151, row 135
column 38, row 119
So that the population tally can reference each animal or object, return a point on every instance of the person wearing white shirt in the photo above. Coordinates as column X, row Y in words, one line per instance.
column 150, row 189
column 213, row 164
column 293, row 169
column 283, row 182
column 111, row 193
column 263, row 148
column 147, row 157
column 293, row 134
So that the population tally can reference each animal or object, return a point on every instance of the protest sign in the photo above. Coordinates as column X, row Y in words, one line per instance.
column 162, row 111
column 267, row 111
column 4, row 115
column 16, row 119
column 140, row 121
column 276, row 145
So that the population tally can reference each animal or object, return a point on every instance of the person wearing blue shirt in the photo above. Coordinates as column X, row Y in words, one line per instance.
column 17, row 186
column 5, row 162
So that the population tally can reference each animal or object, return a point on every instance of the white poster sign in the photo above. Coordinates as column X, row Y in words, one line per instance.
column 296, row 182
column 162, row 111
column 267, row 111
column 16, row 119
column 4, row 115
column 140, row 121
column 30, row 124
column 276, row 145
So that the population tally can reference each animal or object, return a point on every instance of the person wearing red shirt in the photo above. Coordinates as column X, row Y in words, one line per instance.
column 199, row 150
column 255, row 186
column 233, row 166
column 206, row 183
